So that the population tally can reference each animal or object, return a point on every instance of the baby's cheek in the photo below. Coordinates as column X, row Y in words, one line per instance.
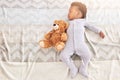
column 70, row 16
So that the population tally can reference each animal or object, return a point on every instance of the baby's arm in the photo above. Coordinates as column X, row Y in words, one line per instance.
column 94, row 29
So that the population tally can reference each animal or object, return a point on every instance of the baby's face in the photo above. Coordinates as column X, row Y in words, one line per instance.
column 74, row 13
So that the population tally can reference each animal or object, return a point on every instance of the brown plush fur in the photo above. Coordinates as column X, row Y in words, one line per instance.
column 56, row 37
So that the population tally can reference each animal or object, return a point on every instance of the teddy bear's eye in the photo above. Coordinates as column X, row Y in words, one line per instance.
column 54, row 24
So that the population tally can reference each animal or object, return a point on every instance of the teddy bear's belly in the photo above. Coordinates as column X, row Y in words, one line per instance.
column 55, row 38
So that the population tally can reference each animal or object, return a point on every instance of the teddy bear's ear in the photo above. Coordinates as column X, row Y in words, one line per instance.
column 61, row 21
column 67, row 25
column 55, row 21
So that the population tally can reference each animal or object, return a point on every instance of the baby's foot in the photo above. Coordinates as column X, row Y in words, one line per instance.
column 84, row 72
column 74, row 72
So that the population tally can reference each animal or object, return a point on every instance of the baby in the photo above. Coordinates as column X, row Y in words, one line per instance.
column 75, row 43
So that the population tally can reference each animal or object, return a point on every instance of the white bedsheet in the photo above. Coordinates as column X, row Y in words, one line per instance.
column 98, row 70
column 24, row 22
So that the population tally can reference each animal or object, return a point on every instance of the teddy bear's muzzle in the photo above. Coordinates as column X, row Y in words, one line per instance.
column 55, row 26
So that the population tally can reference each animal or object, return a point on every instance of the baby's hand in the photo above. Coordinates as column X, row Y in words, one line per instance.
column 102, row 35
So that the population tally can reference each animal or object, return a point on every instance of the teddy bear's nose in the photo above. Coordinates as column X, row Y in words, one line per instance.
column 54, row 24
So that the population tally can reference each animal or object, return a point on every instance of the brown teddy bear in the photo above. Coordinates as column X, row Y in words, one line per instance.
column 56, row 37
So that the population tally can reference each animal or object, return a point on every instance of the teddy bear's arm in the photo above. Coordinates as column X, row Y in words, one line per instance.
column 48, row 35
column 64, row 37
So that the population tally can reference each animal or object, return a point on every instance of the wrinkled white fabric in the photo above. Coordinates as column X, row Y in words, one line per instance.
column 24, row 22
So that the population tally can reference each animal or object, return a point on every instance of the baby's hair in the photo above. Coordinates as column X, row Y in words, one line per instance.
column 81, row 7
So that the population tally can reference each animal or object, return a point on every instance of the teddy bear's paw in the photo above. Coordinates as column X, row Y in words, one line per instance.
column 60, row 46
column 64, row 37
column 42, row 44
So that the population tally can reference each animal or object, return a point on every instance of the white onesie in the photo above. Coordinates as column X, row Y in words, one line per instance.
column 76, row 44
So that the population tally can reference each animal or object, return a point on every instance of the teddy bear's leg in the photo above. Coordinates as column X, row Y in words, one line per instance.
column 59, row 46
column 45, row 44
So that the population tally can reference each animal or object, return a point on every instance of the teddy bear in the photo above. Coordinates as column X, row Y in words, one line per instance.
column 56, row 37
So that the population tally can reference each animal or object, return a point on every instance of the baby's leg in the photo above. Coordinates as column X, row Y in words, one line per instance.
column 66, row 58
column 84, row 65
column 85, row 56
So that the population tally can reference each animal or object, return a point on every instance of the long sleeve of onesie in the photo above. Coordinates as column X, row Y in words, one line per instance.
column 92, row 28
